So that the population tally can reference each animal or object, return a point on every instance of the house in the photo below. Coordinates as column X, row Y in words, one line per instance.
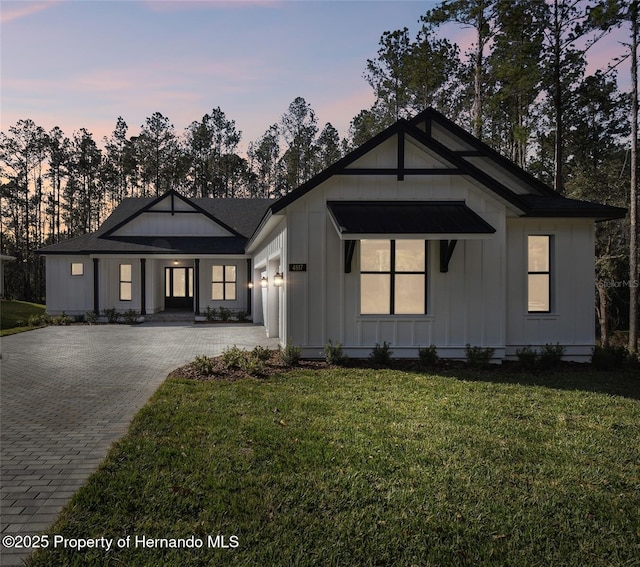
column 423, row 235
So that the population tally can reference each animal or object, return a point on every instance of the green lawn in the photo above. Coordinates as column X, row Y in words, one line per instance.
column 14, row 315
column 371, row 467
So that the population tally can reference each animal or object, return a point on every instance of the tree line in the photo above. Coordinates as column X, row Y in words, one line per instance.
column 522, row 87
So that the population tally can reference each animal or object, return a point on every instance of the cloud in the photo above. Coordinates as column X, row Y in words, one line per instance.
column 17, row 10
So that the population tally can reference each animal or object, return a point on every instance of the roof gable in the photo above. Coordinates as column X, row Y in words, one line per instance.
column 447, row 149
column 171, row 214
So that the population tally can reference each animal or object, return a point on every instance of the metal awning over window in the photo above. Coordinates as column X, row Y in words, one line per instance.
column 429, row 220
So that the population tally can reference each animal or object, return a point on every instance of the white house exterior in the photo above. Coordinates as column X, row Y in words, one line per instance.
column 421, row 236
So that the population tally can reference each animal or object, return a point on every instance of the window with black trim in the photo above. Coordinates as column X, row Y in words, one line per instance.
column 126, row 285
column 539, row 251
column 393, row 277
column 223, row 283
column 77, row 269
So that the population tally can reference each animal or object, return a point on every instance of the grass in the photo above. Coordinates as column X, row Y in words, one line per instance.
column 367, row 467
column 14, row 316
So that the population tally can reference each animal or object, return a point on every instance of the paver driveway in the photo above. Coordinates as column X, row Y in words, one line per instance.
column 67, row 393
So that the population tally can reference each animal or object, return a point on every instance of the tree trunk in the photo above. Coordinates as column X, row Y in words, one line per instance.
column 603, row 313
column 557, row 100
column 633, row 212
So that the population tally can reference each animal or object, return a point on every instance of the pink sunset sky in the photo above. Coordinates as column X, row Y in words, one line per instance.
column 82, row 63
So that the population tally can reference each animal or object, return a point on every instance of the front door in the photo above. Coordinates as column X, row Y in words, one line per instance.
column 178, row 285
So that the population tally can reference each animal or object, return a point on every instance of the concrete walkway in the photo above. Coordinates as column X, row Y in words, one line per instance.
column 67, row 393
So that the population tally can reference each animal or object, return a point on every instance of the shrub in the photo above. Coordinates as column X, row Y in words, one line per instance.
column 550, row 356
column 39, row 320
column 210, row 313
column 252, row 365
column 289, row 355
column 130, row 316
column 428, row 356
column 381, row 355
column 225, row 314
column 242, row 316
column 232, row 357
column 61, row 320
column 333, row 354
column 90, row 317
column 609, row 357
column 261, row 353
column 204, row 365
column 478, row 357
column 112, row 315
column 527, row 358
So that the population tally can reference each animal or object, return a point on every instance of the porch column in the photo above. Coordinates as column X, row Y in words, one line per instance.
column 96, row 287
column 249, row 287
column 196, row 285
column 143, row 286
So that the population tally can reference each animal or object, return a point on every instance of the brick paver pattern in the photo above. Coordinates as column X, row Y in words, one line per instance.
column 67, row 393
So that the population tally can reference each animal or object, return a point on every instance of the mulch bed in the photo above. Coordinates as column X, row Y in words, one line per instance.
column 275, row 366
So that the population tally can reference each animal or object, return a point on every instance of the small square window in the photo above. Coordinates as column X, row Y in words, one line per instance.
column 77, row 269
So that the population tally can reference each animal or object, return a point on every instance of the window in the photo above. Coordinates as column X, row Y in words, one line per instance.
column 223, row 283
column 77, row 269
column 539, row 273
column 125, row 282
column 393, row 277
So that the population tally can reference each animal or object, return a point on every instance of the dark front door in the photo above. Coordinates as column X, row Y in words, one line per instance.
column 178, row 286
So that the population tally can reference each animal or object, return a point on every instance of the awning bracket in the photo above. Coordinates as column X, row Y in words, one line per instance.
column 349, row 249
column 446, row 251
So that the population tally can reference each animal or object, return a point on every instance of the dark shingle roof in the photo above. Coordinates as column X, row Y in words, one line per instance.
column 242, row 215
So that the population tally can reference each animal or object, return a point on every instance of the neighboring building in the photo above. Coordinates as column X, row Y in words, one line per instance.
column 423, row 235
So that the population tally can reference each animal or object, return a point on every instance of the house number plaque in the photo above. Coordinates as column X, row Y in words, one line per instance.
column 297, row 267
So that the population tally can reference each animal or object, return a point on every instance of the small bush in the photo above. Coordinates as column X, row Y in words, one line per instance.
column 242, row 316
column 224, row 313
column 130, row 316
column 61, row 320
column 112, row 315
column 261, row 353
column 39, row 320
column 252, row 365
column 550, row 356
column 210, row 313
column 609, row 357
column 381, row 355
column 333, row 354
column 204, row 365
column 289, row 355
column 478, row 357
column 428, row 356
column 232, row 357
column 527, row 358
column 90, row 317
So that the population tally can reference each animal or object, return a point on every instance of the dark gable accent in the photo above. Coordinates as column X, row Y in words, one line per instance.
column 561, row 207
column 172, row 194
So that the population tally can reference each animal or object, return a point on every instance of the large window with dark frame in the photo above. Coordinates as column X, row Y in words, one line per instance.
column 125, row 283
column 223, row 283
column 393, row 277
column 539, row 251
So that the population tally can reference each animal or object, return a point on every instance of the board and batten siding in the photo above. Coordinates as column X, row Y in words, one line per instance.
column 271, row 304
column 465, row 305
column 571, row 320
column 71, row 294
